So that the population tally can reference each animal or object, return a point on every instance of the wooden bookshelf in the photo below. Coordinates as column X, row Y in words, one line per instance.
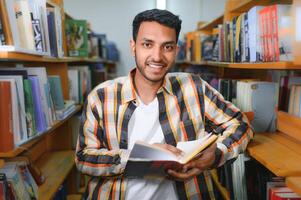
column 264, row 65
column 210, row 25
column 12, row 56
column 294, row 183
column 1, row 163
column 55, row 166
column 245, row 5
column 277, row 153
column 32, row 141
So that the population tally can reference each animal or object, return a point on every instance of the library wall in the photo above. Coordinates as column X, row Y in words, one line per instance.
column 126, row 10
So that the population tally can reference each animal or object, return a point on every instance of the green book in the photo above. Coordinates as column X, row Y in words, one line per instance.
column 77, row 37
column 29, row 108
column 56, row 92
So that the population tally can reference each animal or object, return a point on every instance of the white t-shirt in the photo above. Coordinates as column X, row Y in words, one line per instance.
column 144, row 125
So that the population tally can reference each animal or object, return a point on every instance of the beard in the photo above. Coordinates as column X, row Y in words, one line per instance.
column 143, row 67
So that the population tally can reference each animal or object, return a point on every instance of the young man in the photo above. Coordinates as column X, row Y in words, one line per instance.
column 160, row 108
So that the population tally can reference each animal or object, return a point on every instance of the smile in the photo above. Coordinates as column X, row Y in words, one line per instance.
column 156, row 66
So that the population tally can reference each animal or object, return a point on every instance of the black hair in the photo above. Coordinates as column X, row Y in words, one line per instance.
column 163, row 17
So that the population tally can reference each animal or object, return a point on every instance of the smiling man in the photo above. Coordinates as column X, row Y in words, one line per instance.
column 159, row 108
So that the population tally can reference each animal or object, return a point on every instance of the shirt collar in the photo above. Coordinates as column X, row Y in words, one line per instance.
column 128, row 90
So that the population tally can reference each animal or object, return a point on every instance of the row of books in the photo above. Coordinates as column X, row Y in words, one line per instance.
column 17, row 182
column 262, row 34
column 79, row 83
column 82, row 42
column 285, row 90
column 34, row 27
column 31, row 102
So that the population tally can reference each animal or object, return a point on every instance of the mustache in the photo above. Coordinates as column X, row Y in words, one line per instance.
column 161, row 62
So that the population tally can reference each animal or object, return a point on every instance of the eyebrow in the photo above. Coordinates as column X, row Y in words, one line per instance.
column 164, row 43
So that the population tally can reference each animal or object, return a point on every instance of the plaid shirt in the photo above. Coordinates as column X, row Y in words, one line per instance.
column 188, row 109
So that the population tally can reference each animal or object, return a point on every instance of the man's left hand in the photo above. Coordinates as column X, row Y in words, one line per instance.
column 193, row 168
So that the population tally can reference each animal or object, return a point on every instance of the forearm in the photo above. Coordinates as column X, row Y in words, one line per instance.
column 227, row 121
column 101, row 162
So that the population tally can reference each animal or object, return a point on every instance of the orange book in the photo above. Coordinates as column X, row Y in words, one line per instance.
column 6, row 125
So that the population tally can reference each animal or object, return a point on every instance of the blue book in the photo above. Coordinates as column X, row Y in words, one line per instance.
column 37, row 102
column 264, row 103
column 56, row 91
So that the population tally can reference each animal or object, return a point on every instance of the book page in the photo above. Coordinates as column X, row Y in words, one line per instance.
column 192, row 148
column 144, row 151
column 189, row 146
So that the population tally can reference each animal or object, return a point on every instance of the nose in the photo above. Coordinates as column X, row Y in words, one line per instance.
column 157, row 54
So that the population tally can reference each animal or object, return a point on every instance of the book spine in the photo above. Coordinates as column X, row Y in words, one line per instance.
column 6, row 118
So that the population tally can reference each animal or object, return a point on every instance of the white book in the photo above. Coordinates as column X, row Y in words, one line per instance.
column 58, row 29
column 284, row 32
column 18, row 108
column 24, row 24
column 73, row 77
column 254, row 36
column 12, row 22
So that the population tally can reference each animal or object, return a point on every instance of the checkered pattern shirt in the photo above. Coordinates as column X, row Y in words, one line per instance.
column 189, row 108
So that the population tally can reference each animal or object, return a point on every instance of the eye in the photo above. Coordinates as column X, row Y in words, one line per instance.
column 147, row 45
column 169, row 47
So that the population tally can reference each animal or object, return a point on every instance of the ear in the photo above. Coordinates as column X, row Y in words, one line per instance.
column 133, row 47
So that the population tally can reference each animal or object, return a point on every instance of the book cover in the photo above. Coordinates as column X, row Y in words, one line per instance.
column 4, row 193
column 73, row 80
column 18, row 104
column 56, row 91
column 52, row 32
column 29, row 108
column 14, row 178
column 77, row 37
column 150, row 161
column 47, row 102
column 254, row 35
column 40, row 121
column 6, row 122
column 24, row 24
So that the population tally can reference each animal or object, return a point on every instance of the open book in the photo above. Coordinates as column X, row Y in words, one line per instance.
column 151, row 161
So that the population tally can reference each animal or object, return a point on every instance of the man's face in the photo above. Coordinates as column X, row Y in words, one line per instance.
column 155, row 51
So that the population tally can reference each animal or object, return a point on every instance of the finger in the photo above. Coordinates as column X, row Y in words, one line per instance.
column 183, row 176
column 189, row 165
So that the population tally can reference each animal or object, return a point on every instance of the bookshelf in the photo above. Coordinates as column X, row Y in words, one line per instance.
column 264, row 65
column 55, row 166
column 50, row 151
column 280, row 151
column 294, row 183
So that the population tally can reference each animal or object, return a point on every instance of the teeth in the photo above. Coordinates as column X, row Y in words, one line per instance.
column 155, row 66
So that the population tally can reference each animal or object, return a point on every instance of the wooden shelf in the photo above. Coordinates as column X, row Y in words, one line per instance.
column 277, row 152
column 55, row 166
column 31, row 141
column 265, row 65
column 294, row 183
column 289, row 124
column 245, row 5
column 212, row 24
column 1, row 163
column 10, row 56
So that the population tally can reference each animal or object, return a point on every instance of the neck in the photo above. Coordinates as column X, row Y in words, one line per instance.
column 147, row 90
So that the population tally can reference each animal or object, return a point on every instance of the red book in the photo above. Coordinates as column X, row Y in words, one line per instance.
column 6, row 125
